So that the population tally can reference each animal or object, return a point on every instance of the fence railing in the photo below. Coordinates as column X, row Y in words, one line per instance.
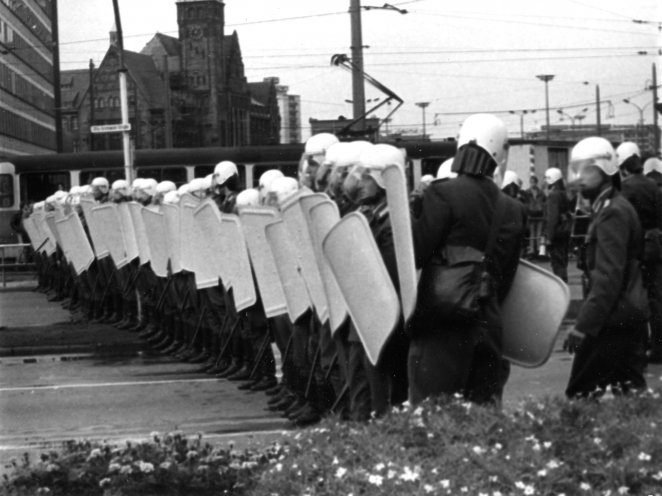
column 14, row 256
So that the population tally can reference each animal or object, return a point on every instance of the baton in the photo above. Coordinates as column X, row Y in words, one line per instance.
column 334, row 360
column 312, row 372
column 286, row 353
column 131, row 283
column 227, row 342
column 226, row 321
column 260, row 354
column 343, row 392
column 105, row 291
column 198, row 326
column 162, row 297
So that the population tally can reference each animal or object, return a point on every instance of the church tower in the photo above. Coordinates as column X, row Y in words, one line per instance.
column 202, row 32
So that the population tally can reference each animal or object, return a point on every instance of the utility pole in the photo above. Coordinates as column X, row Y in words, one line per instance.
column 358, row 86
column 597, row 110
column 124, row 100
column 656, row 129
column 91, row 93
column 57, row 91
column 423, row 106
column 546, row 78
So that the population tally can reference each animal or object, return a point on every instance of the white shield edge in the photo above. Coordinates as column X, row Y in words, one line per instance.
column 289, row 270
column 367, row 289
column 207, row 218
column 253, row 222
column 33, row 233
column 128, row 231
column 297, row 224
column 106, row 215
column 323, row 215
column 135, row 209
column 187, row 232
column 172, row 220
column 532, row 314
column 398, row 206
column 51, row 218
column 98, row 244
column 155, row 231
column 50, row 245
column 78, row 249
column 241, row 274
column 195, row 249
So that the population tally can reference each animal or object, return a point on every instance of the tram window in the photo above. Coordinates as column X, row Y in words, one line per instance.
column 6, row 190
column 37, row 186
column 203, row 170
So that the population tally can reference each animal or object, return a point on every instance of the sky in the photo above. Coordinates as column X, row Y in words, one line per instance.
column 461, row 57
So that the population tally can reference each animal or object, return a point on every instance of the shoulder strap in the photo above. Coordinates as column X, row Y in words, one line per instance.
column 499, row 211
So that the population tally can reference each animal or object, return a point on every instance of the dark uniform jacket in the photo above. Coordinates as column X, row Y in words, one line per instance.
column 614, row 245
column 646, row 199
column 459, row 213
column 558, row 212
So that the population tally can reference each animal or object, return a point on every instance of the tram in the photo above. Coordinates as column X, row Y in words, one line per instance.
column 32, row 178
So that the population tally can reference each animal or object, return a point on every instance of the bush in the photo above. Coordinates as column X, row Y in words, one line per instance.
column 446, row 446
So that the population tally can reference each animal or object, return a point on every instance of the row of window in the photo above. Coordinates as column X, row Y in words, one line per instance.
column 110, row 102
column 26, row 52
column 70, row 123
column 22, row 88
column 22, row 129
column 23, row 12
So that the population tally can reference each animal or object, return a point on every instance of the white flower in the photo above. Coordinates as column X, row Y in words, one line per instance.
column 478, row 450
column 145, row 467
column 536, row 447
column 114, row 467
column 585, row 486
column 428, row 488
column 391, row 473
column 278, row 467
column 340, row 472
column 547, row 444
column 379, row 467
column 375, row 479
column 493, row 478
column 658, row 476
column 498, row 446
column 335, row 461
column 409, row 475
column 104, row 482
column 165, row 465
column 542, row 473
column 644, row 457
column 52, row 467
column 464, row 489
column 418, row 412
column 520, row 485
column 597, row 440
column 445, row 483
column 497, row 493
column 126, row 469
column 528, row 490
column 95, row 453
column 623, row 490
column 552, row 464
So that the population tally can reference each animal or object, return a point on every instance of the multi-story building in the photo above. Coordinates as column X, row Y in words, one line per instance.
column 290, row 112
column 27, row 108
column 183, row 92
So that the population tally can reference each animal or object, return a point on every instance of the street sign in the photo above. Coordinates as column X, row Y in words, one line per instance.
column 110, row 128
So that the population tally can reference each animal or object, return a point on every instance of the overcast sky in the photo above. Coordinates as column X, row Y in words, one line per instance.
column 462, row 57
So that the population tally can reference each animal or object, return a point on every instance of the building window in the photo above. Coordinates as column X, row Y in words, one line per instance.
column 74, row 123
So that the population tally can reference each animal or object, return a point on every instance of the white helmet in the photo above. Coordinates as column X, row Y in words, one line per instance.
column 510, row 177
column 165, row 187
column 594, row 151
column 267, row 177
column 171, row 197
column 223, row 171
column 341, row 154
column 652, row 164
column 377, row 157
column 625, row 150
column 148, row 186
column 283, row 187
column 183, row 189
column 38, row 206
column 444, row 171
column 196, row 185
column 101, row 183
column 248, row 198
column 119, row 184
column 85, row 189
column 208, row 181
column 74, row 190
column 137, row 183
column 552, row 175
column 489, row 133
column 318, row 144
column 60, row 196
column 427, row 179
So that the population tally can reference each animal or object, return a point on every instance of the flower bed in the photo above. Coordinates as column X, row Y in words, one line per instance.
column 449, row 446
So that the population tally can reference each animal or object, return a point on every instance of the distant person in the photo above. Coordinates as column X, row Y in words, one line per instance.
column 535, row 210
column 609, row 336
column 558, row 220
column 653, row 170
column 646, row 199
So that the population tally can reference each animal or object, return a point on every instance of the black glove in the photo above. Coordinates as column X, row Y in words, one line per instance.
column 573, row 341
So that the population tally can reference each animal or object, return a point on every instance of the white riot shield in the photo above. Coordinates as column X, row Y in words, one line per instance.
column 135, row 209
column 532, row 314
column 128, row 231
column 297, row 224
column 253, row 223
column 240, row 274
column 196, row 249
column 173, row 230
column 52, row 227
column 33, row 232
column 77, row 247
column 359, row 269
column 289, row 270
column 323, row 216
column 155, row 231
column 95, row 230
column 398, row 206
column 108, row 220
column 208, row 221
column 46, row 235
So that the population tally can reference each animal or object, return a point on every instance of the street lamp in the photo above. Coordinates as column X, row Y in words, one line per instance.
column 521, row 114
column 546, row 78
column 640, row 124
column 577, row 117
column 423, row 106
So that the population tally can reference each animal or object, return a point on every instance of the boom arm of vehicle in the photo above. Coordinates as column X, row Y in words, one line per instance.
column 342, row 60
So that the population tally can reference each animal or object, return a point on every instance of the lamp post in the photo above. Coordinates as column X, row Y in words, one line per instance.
column 577, row 117
column 521, row 114
column 546, row 78
column 423, row 106
column 640, row 123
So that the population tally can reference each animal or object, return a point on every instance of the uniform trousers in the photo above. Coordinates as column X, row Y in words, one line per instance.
column 616, row 357
column 652, row 276
column 558, row 254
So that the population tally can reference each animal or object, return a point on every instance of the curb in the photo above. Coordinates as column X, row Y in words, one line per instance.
column 87, row 350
